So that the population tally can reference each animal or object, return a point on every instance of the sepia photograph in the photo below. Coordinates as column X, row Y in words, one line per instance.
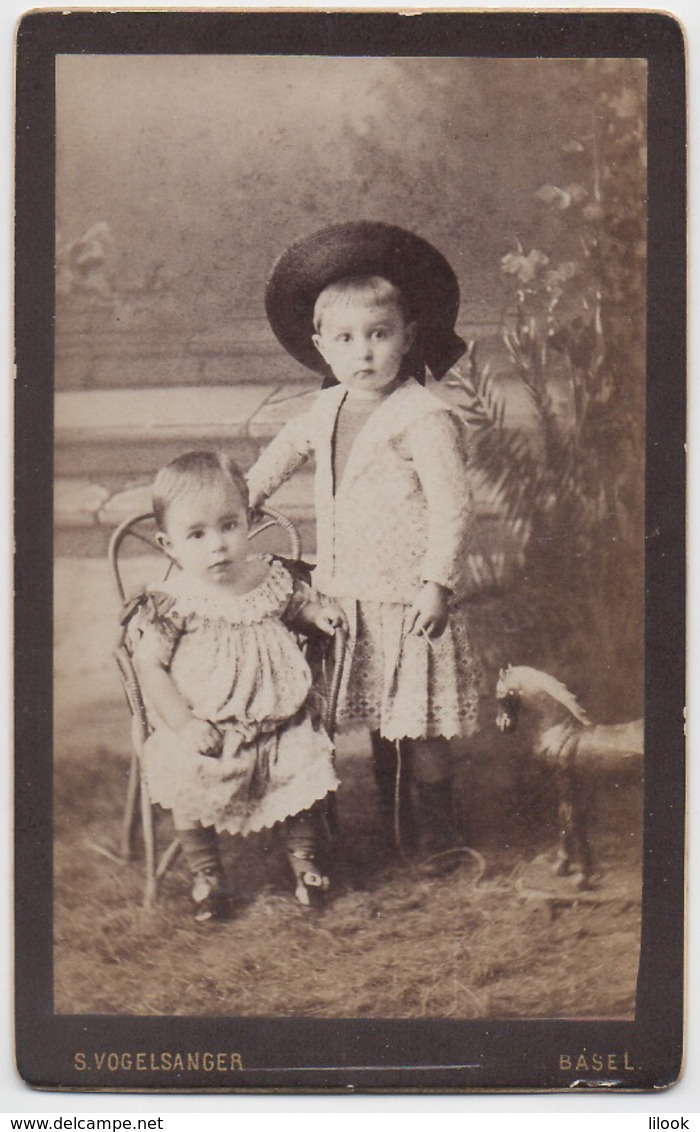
column 350, row 415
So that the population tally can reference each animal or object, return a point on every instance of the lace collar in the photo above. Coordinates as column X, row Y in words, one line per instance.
column 193, row 598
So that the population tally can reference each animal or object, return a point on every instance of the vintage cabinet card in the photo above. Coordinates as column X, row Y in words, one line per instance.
column 482, row 888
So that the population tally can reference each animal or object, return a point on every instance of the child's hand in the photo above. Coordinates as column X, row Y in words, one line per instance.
column 200, row 737
column 255, row 508
column 327, row 618
column 428, row 613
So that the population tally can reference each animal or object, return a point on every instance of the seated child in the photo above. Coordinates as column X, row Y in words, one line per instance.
column 234, row 745
column 371, row 307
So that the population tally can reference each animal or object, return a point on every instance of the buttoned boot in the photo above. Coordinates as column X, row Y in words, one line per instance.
column 307, row 856
column 210, row 898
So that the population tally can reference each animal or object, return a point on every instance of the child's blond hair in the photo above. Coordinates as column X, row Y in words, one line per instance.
column 192, row 470
column 374, row 289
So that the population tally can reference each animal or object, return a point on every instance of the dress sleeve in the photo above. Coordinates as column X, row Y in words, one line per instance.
column 437, row 444
column 288, row 451
column 154, row 628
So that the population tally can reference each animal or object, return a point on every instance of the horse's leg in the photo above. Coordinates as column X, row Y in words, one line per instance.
column 565, row 855
column 582, row 843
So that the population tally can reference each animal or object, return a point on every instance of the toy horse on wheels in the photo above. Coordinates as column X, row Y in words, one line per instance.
column 568, row 740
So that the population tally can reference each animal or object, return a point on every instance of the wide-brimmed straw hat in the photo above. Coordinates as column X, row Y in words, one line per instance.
column 367, row 247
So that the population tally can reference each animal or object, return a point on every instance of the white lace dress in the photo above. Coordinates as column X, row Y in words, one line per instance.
column 403, row 685
column 400, row 515
column 234, row 662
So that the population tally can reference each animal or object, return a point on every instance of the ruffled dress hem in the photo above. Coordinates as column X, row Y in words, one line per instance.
column 236, row 663
column 404, row 685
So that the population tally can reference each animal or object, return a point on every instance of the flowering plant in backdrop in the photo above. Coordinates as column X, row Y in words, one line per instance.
column 572, row 485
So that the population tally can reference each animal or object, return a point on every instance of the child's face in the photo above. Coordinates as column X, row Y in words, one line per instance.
column 206, row 533
column 364, row 343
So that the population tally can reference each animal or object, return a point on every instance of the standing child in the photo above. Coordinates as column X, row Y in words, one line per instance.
column 371, row 306
column 234, row 746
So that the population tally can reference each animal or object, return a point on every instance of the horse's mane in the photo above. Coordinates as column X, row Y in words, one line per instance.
column 531, row 681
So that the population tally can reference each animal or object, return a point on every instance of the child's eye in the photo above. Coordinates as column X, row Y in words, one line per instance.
column 230, row 525
column 344, row 337
column 380, row 333
column 196, row 534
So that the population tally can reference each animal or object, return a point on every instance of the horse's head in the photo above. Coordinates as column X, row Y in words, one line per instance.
column 549, row 699
column 509, row 699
